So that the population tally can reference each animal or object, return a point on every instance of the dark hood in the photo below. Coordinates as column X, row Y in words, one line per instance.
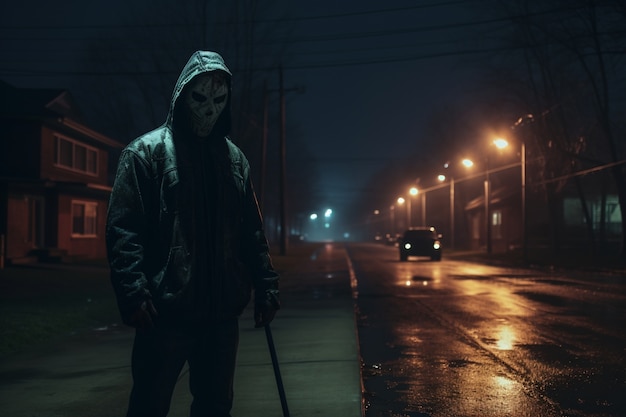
column 201, row 62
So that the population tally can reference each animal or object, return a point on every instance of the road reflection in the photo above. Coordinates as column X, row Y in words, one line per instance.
column 506, row 338
column 451, row 338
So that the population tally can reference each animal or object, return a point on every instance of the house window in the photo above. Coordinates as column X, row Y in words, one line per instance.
column 75, row 156
column 84, row 218
column 496, row 224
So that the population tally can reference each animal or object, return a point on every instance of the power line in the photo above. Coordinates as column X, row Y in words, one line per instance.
column 333, row 37
column 581, row 173
column 315, row 65
column 361, row 62
column 243, row 21
column 369, row 12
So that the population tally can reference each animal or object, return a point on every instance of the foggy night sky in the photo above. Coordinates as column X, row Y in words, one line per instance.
column 373, row 72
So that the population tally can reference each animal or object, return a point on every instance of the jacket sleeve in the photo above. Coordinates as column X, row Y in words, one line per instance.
column 126, row 233
column 264, row 278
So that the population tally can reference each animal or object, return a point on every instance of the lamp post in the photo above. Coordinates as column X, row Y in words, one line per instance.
column 423, row 209
column 520, row 122
column 467, row 163
column 401, row 201
column 524, row 219
column 443, row 178
column 500, row 144
column 412, row 192
column 487, row 208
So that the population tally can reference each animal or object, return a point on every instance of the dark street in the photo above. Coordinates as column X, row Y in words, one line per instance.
column 434, row 339
column 426, row 199
column 453, row 338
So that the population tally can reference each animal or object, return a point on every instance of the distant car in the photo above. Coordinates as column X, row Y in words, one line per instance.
column 420, row 241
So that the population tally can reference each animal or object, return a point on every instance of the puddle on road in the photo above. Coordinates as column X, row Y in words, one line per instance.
column 494, row 276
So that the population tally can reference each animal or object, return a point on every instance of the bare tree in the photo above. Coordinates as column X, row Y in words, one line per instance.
column 573, row 56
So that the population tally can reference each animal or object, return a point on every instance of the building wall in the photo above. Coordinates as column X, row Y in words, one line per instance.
column 88, row 246
column 18, row 244
column 56, row 173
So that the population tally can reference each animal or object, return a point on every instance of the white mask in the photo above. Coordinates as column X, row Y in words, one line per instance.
column 205, row 99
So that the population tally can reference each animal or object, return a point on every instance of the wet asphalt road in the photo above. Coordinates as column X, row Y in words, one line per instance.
column 451, row 338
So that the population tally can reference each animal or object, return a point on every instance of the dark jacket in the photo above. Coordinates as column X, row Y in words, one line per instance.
column 183, row 225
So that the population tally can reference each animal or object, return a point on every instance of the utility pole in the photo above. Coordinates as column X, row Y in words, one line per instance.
column 266, row 95
column 451, row 212
column 282, row 181
column 283, row 168
column 487, row 208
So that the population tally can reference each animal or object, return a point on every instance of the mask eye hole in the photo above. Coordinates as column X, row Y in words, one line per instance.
column 220, row 99
column 200, row 98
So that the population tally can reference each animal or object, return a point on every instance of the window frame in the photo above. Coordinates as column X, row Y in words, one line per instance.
column 89, row 153
column 86, row 222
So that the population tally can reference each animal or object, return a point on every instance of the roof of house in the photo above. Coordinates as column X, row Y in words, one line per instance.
column 35, row 102
column 56, row 105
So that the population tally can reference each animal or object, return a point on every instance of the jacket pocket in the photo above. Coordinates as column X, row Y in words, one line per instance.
column 175, row 277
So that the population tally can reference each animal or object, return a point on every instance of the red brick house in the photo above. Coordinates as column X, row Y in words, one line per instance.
column 54, row 178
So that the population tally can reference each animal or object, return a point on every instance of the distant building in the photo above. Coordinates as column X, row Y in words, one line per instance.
column 54, row 179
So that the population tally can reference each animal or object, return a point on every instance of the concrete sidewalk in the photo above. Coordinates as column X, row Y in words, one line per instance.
column 314, row 333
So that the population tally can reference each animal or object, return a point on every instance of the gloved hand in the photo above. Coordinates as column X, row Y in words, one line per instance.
column 265, row 307
column 143, row 317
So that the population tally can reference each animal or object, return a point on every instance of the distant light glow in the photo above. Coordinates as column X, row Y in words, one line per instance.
column 313, row 216
column 400, row 200
column 468, row 163
column 327, row 225
column 441, row 177
column 500, row 143
column 413, row 191
column 328, row 213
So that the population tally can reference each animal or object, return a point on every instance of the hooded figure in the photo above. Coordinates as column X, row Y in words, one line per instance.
column 186, row 247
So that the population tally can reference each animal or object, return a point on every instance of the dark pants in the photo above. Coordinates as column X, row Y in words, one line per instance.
column 159, row 356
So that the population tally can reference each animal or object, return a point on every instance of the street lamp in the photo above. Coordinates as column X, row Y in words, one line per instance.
column 412, row 192
column 520, row 122
column 524, row 220
column 467, row 163
column 443, row 178
column 499, row 143
column 423, row 209
column 401, row 201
